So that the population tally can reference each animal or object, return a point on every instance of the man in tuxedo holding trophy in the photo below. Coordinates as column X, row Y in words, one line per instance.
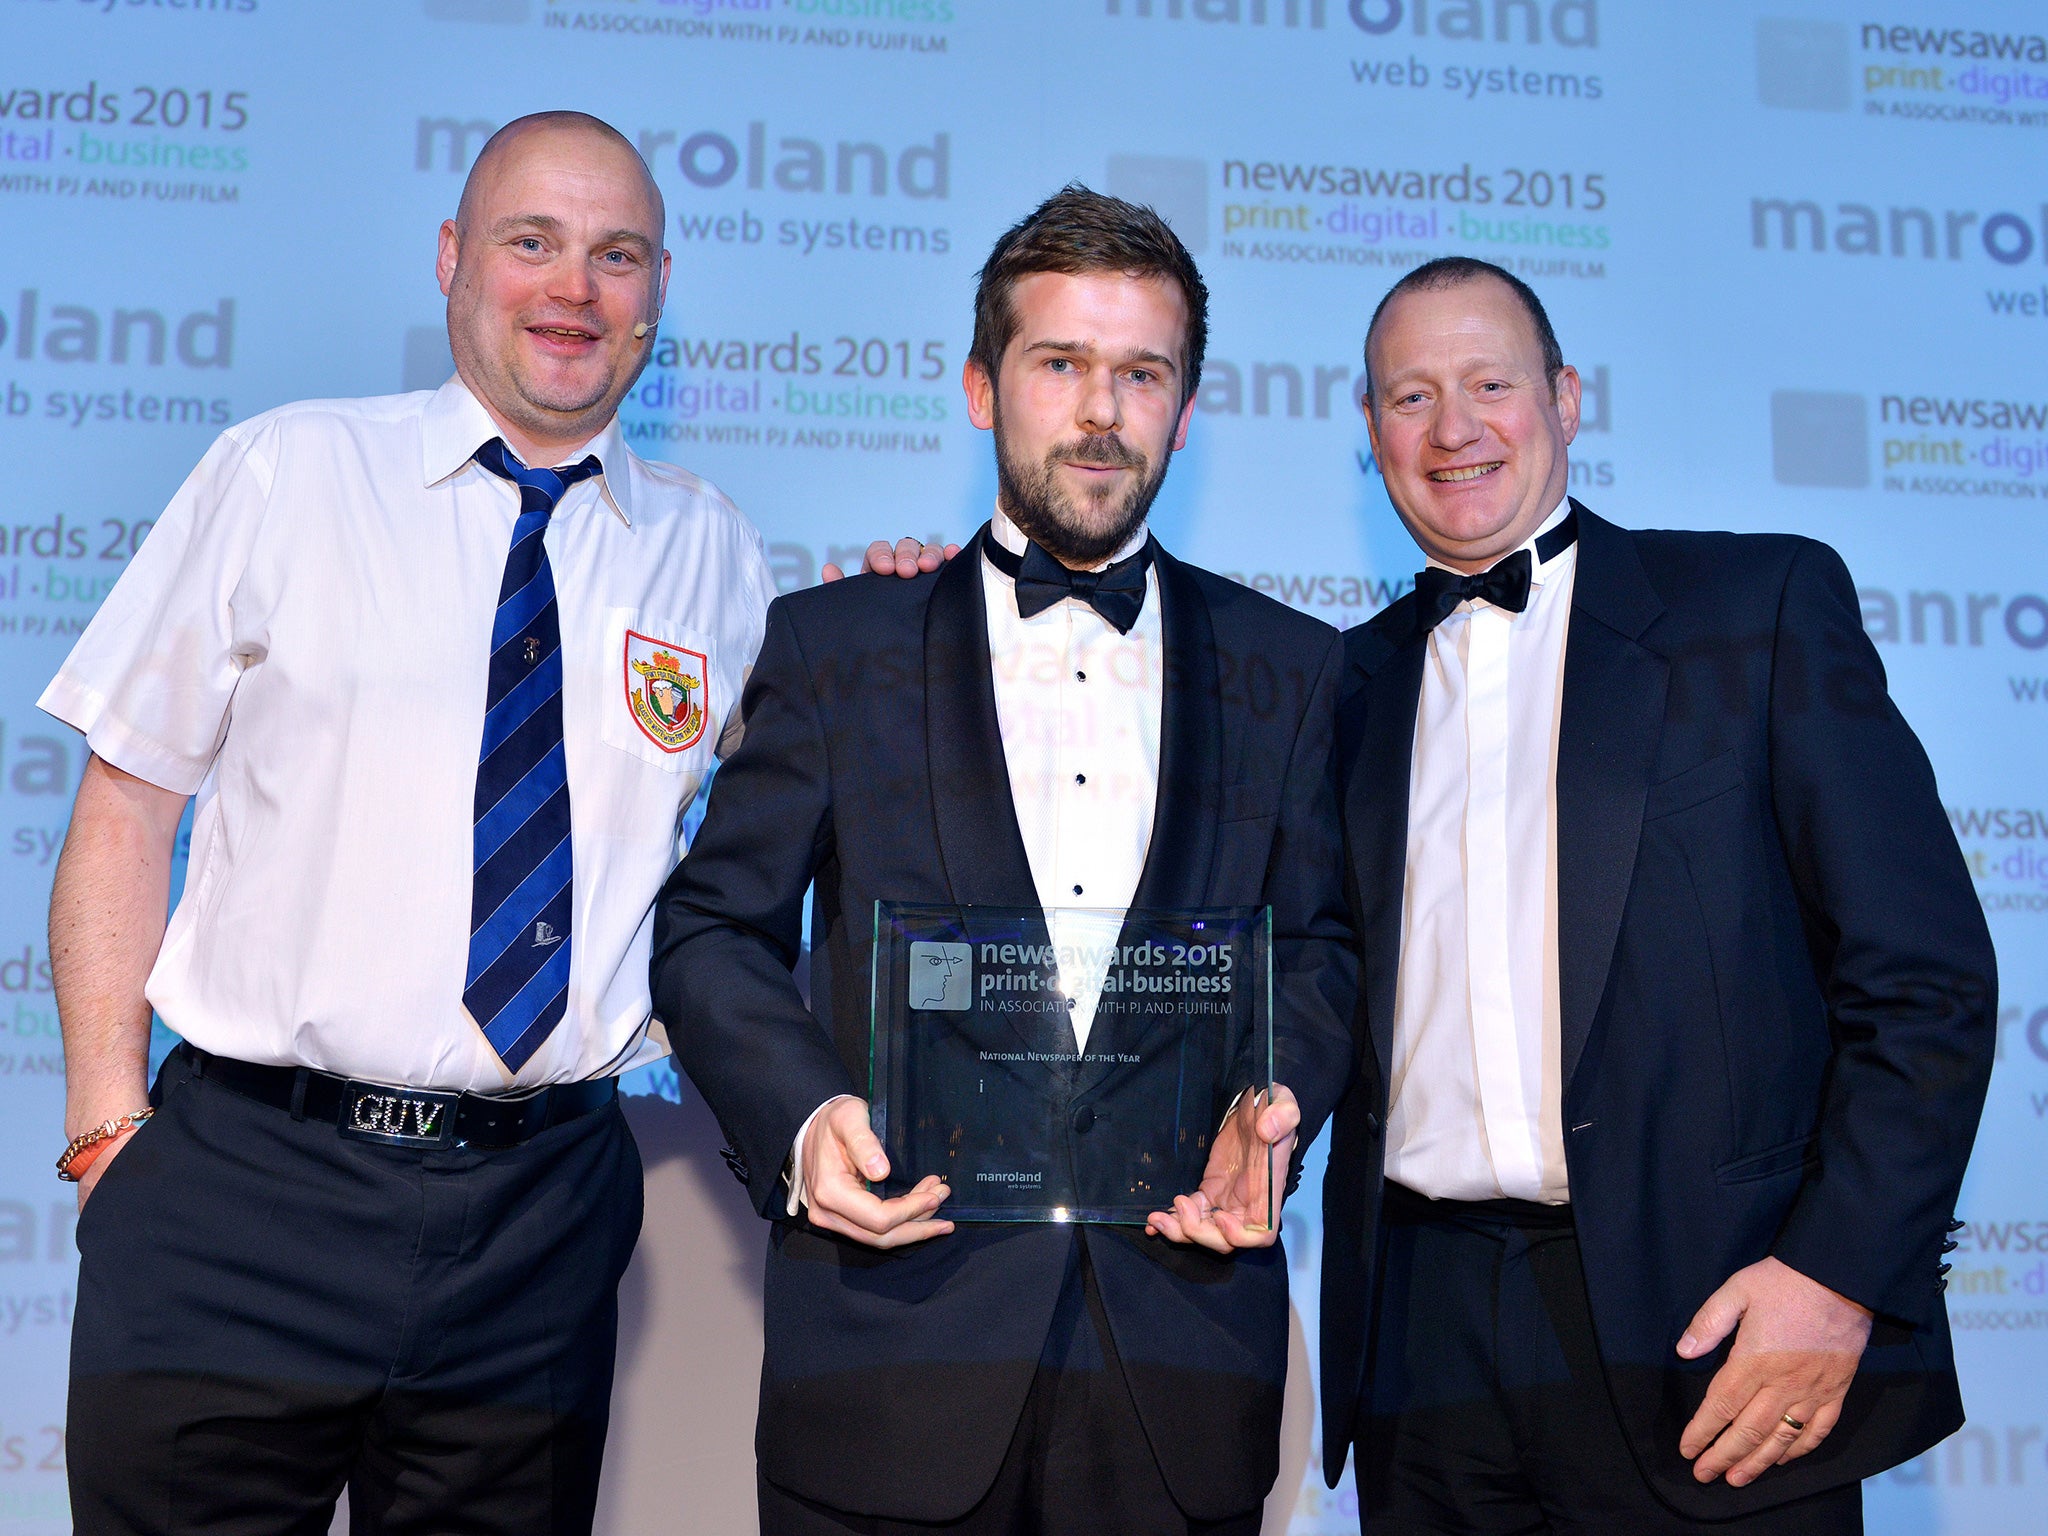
column 1068, row 718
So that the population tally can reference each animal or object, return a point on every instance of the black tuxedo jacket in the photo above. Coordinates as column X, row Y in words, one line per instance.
column 872, row 767
column 1777, row 987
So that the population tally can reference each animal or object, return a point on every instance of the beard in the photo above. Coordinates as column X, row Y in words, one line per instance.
column 1077, row 532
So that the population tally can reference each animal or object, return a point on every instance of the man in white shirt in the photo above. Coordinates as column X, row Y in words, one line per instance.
column 1679, row 1002
column 1067, row 717
column 439, row 715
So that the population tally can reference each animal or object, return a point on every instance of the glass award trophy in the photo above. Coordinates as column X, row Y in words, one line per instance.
column 1066, row 1063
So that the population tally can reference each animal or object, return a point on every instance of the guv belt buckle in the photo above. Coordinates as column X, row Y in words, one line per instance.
column 397, row 1117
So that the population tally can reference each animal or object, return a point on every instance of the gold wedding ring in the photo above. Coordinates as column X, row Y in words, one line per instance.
column 1797, row 1427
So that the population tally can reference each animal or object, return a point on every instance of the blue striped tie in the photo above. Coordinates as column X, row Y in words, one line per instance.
column 517, row 987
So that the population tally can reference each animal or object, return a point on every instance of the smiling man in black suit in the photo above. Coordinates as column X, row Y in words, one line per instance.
column 1679, row 1004
column 1067, row 716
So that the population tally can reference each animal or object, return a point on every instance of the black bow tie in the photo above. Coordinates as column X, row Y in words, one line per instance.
column 1438, row 591
column 1117, row 593
column 1505, row 584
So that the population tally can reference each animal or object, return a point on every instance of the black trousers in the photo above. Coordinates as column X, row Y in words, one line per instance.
column 1488, row 1412
column 268, row 1312
column 1079, row 1463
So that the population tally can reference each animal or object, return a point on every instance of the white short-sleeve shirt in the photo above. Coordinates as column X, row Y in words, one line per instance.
column 302, row 643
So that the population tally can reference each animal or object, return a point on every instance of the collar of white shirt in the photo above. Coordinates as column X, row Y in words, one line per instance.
column 454, row 424
column 1539, row 567
column 1014, row 539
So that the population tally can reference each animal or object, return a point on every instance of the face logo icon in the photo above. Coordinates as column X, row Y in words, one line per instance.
column 941, row 977
column 665, row 691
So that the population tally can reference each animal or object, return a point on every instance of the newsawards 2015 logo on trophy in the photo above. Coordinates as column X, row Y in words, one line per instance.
column 1064, row 1064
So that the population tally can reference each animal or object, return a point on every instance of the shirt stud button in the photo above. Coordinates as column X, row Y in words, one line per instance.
column 1077, row 890
column 1081, row 677
column 1080, row 778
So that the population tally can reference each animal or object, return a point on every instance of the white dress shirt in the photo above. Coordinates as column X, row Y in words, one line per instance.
column 1079, row 708
column 1475, row 1102
column 303, row 644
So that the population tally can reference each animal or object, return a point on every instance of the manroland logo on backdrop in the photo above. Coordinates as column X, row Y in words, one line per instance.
column 60, row 351
column 1543, row 221
column 1548, row 24
column 749, row 157
column 1927, row 444
column 1567, row 23
column 2007, row 238
column 1902, row 232
column 852, row 172
column 1995, row 622
column 1904, row 71
column 2022, row 1069
column 810, row 185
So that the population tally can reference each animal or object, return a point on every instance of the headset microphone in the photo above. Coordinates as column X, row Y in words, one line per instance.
column 642, row 327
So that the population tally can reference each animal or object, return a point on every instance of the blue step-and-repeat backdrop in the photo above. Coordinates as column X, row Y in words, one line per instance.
column 1797, row 248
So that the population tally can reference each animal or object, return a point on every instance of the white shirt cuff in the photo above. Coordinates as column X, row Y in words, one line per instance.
column 793, row 1170
column 1233, row 1107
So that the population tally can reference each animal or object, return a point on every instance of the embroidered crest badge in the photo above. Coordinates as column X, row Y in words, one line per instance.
column 665, row 690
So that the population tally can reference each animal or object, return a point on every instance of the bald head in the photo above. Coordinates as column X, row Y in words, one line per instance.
column 553, row 257
column 520, row 136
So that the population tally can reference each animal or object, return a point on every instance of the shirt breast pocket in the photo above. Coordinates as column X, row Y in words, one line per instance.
column 661, row 702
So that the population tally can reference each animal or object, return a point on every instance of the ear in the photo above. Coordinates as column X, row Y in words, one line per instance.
column 661, row 286
column 1180, row 431
column 1568, row 401
column 1372, row 431
column 981, row 394
column 445, row 259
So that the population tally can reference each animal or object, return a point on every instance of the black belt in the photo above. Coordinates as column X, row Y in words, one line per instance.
column 1410, row 1207
column 403, row 1117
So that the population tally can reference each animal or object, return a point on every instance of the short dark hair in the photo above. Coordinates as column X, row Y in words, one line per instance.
column 1077, row 231
column 1456, row 272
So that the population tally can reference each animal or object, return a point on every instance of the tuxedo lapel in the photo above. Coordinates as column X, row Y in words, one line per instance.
column 1190, row 793
column 980, row 846
column 1611, row 721
column 1379, row 721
